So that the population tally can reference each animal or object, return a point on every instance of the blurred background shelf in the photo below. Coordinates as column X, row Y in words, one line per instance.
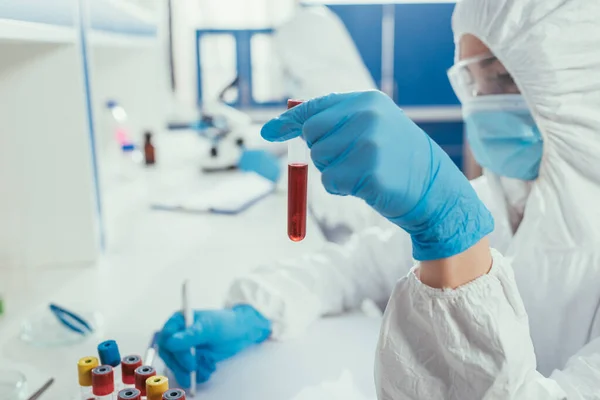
column 121, row 40
column 13, row 30
column 123, row 17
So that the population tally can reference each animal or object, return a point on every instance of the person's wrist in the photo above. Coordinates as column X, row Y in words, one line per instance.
column 457, row 270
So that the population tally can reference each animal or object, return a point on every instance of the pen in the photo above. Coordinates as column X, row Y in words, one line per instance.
column 151, row 350
column 42, row 390
column 188, row 316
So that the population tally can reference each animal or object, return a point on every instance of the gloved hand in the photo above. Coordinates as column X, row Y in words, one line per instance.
column 215, row 334
column 365, row 146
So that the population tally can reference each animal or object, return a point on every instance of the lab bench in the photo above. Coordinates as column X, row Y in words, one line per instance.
column 136, row 284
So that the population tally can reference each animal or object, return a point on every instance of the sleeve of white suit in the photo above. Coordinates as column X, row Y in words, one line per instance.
column 580, row 378
column 469, row 343
column 293, row 294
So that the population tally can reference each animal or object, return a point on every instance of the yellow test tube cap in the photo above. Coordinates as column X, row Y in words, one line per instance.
column 85, row 366
column 156, row 386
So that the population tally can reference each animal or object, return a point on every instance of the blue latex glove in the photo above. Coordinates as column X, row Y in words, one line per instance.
column 215, row 334
column 262, row 162
column 365, row 146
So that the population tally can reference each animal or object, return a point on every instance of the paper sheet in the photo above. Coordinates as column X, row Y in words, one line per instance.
column 334, row 360
column 233, row 195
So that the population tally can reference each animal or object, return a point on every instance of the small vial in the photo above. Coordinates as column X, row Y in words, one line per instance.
column 156, row 386
column 297, row 185
column 174, row 394
column 149, row 151
column 141, row 376
column 85, row 366
column 129, row 394
column 103, row 383
column 128, row 366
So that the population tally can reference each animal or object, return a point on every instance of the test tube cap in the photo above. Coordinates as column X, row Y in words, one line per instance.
column 129, row 394
column 85, row 366
column 109, row 353
column 141, row 374
column 128, row 366
column 174, row 394
column 291, row 103
column 156, row 386
column 103, row 380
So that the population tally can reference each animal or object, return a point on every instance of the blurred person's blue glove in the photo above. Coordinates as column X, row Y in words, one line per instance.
column 365, row 146
column 215, row 334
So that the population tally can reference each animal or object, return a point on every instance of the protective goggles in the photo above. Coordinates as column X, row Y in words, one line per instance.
column 480, row 76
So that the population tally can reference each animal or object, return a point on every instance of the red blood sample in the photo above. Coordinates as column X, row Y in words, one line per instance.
column 103, row 380
column 297, row 182
column 128, row 366
column 293, row 103
column 141, row 374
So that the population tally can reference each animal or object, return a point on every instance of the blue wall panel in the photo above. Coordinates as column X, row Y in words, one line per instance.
column 424, row 50
column 363, row 22
column 449, row 135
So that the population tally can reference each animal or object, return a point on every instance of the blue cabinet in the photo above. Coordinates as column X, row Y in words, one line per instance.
column 363, row 22
column 424, row 50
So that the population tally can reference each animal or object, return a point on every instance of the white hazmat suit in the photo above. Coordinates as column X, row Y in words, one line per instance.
column 486, row 339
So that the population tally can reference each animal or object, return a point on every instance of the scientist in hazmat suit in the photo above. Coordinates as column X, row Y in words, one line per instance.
column 528, row 75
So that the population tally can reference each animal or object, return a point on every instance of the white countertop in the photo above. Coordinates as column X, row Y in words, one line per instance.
column 136, row 284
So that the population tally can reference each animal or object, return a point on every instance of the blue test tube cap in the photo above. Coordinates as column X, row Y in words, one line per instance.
column 109, row 353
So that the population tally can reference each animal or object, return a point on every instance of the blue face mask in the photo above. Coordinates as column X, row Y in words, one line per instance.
column 503, row 135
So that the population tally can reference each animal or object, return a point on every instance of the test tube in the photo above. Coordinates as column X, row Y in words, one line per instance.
column 174, row 394
column 129, row 394
column 141, row 375
column 109, row 355
column 84, row 370
column 297, row 184
column 103, row 383
column 156, row 386
column 128, row 367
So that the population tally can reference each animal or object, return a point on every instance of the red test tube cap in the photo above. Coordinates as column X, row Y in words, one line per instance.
column 141, row 374
column 293, row 103
column 128, row 367
column 103, row 380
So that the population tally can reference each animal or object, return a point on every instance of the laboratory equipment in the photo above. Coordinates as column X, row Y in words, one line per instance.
column 188, row 315
column 103, row 382
column 156, row 386
column 174, row 394
column 297, row 184
column 128, row 367
column 149, row 150
column 13, row 384
column 129, row 394
column 38, row 393
column 109, row 355
column 47, row 328
column 141, row 375
column 119, row 124
column 85, row 366
column 71, row 320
